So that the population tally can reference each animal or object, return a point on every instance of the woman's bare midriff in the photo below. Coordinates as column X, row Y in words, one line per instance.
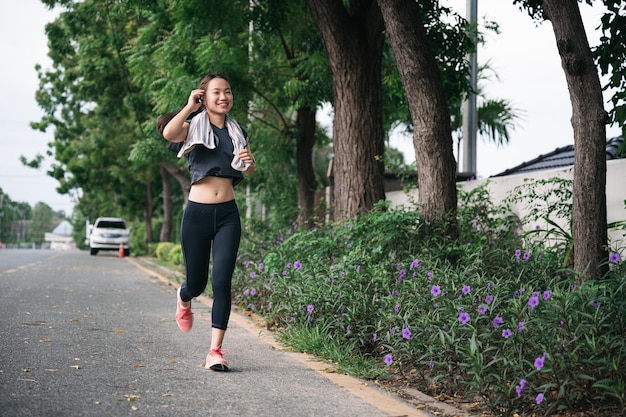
column 212, row 190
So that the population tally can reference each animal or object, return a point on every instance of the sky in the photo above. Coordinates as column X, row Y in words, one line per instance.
column 523, row 56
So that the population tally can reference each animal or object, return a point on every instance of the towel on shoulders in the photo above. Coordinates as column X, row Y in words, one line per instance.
column 201, row 133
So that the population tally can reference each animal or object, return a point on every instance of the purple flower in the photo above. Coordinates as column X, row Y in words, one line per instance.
column 397, row 308
column 520, row 387
column 429, row 274
column 261, row 266
column 614, row 257
column 388, row 359
column 358, row 268
column 539, row 398
column 520, row 326
column 546, row 295
column 526, row 256
column 297, row 265
column 466, row 289
column 402, row 274
column 435, row 290
column 406, row 333
column 246, row 292
column 253, row 291
column 533, row 302
column 489, row 299
column 463, row 318
column 596, row 304
column 506, row 333
column 374, row 337
column 414, row 264
column 482, row 309
column 431, row 364
column 540, row 361
column 252, row 274
column 310, row 308
column 497, row 322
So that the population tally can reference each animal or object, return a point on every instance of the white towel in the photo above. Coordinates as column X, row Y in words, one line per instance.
column 201, row 133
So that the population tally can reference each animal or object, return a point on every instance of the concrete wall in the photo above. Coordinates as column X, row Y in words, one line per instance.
column 499, row 187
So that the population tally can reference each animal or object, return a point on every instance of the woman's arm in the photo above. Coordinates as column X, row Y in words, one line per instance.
column 177, row 128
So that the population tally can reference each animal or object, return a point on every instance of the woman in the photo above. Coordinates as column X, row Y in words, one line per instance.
column 217, row 153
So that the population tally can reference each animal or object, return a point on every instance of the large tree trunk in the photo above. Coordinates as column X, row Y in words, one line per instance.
column 307, row 184
column 589, row 122
column 432, row 135
column 354, row 42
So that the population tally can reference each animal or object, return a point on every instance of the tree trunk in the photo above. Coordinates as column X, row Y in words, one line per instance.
column 148, row 213
column 354, row 42
column 179, row 174
column 589, row 224
column 168, row 212
column 307, row 184
column 432, row 135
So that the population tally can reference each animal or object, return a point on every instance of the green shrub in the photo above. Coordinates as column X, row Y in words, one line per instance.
column 163, row 250
column 490, row 314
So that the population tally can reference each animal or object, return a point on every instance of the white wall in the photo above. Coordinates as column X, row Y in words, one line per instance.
column 499, row 187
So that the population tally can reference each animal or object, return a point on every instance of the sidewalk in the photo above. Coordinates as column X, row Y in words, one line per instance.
column 247, row 332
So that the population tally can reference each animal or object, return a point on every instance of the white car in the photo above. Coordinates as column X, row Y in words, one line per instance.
column 107, row 233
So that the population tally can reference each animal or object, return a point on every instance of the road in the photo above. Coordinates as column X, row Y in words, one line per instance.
column 95, row 336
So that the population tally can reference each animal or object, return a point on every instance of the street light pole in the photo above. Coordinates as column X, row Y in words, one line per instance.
column 470, row 113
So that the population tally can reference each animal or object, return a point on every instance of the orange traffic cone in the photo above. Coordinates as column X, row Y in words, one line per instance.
column 120, row 252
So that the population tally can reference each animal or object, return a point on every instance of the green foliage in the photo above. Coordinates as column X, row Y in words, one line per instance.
column 138, row 238
column 489, row 315
column 610, row 56
column 163, row 249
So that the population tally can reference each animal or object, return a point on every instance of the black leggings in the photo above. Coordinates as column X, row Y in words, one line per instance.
column 204, row 225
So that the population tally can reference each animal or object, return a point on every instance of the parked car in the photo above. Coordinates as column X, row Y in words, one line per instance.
column 107, row 233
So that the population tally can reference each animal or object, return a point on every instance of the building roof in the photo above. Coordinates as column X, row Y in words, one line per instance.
column 560, row 158
column 63, row 229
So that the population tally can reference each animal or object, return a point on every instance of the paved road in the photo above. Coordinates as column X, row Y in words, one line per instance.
column 95, row 336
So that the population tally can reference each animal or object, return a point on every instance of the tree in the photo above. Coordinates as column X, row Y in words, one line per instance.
column 589, row 219
column 41, row 222
column 292, row 79
column 352, row 33
column 432, row 135
column 95, row 109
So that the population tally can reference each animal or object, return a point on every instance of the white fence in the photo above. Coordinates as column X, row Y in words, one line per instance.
column 499, row 187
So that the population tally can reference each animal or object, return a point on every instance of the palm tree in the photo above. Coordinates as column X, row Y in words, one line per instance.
column 496, row 117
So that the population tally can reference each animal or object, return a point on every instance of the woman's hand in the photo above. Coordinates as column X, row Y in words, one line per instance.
column 196, row 99
column 246, row 156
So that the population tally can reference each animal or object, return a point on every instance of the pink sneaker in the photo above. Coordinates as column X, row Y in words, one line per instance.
column 184, row 316
column 215, row 360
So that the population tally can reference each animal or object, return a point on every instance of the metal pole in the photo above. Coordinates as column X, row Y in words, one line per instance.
column 470, row 114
